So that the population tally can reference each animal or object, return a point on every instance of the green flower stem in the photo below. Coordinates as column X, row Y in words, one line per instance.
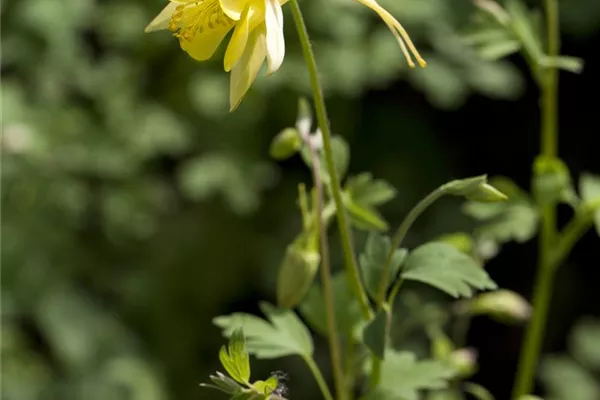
column 531, row 347
column 321, row 111
column 385, row 276
column 350, row 363
column 394, row 291
column 314, row 368
column 401, row 234
column 334, row 344
column 569, row 236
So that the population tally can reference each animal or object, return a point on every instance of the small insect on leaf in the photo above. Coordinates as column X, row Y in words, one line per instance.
column 282, row 378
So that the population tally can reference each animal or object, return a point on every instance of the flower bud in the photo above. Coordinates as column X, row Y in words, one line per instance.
column 464, row 362
column 462, row 241
column 285, row 144
column 296, row 274
column 475, row 189
column 502, row 305
column 441, row 346
column 552, row 181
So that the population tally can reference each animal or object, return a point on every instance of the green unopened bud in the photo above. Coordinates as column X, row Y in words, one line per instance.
column 296, row 274
column 459, row 187
column 464, row 361
column 476, row 189
column 462, row 241
column 285, row 144
column 503, row 305
column 552, row 181
column 441, row 346
column 486, row 193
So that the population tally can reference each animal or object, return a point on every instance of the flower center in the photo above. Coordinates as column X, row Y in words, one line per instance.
column 196, row 17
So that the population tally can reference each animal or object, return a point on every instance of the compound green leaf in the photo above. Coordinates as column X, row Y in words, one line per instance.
column 375, row 333
column 373, row 258
column 445, row 267
column 403, row 376
column 283, row 335
column 347, row 310
column 235, row 357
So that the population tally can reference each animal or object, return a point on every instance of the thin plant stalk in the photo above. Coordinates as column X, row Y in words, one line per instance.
column 546, row 270
column 333, row 337
column 384, row 282
column 314, row 369
column 399, row 238
column 323, row 121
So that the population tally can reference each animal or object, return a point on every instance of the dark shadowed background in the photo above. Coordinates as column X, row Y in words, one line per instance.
column 135, row 208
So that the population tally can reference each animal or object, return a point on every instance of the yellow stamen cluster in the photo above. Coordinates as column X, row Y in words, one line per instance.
column 192, row 18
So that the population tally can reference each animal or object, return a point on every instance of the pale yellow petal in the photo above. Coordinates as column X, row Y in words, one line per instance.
column 234, row 8
column 246, row 70
column 275, row 42
column 163, row 19
column 204, row 45
column 238, row 41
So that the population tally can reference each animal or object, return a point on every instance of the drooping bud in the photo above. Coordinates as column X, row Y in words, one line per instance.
column 285, row 144
column 462, row 241
column 296, row 274
column 464, row 362
column 441, row 346
column 476, row 189
column 503, row 305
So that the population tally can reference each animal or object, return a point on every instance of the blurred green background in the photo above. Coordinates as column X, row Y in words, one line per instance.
column 135, row 208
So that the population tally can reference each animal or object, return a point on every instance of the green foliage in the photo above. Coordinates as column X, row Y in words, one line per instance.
column 363, row 194
column 236, row 361
column 283, row 335
column 552, row 182
column 373, row 259
column 403, row 376
column 235, row 358
column 376, row 332
column 238, row 181
column 503, row 30
column 443, row 266
column 224, row 384
column 365, row 190
column 478, row 391
column 128, row 192
column 572, row 377
column 516, row 219
column 347, row 309
column 584, row 343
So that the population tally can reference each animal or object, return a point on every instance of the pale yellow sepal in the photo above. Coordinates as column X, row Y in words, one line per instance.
column 245, row 71
column 163, row 19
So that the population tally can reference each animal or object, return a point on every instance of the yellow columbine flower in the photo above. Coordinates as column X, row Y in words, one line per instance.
column 399, row 32
column 201, row 25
